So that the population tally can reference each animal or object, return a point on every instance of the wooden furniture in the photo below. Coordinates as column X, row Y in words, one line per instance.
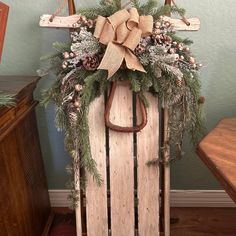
column 24, row 199
column 4, row 9
column 218, row 151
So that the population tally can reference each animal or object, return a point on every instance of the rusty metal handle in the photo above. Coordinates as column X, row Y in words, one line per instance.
column 118, row 128
column 71, row 6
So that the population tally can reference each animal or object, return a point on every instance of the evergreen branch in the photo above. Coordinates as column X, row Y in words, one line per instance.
column 170, row 70
column 161, row 11
column 166, row 10
column 61, row 47
column 90, row 13
column 177, row 10
column 136, row 4
column 117, row 4
column 60, row 118
column 187, row 41
column 135, row 85
column 105, row 8
column 147, row 8
column 178, row 39
column 156, row 85
column 143, row 99
column 6, row 99
column 50, row 56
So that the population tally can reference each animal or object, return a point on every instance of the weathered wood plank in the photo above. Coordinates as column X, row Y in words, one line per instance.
column 166, row 173
column 58, row 21
column 179, row 25
column 96, row 196
column 78, row 208
column 148, row 176
column 121, row 166
column 69, row 21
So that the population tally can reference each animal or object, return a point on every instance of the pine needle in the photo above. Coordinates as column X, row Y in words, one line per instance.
column 6, row 99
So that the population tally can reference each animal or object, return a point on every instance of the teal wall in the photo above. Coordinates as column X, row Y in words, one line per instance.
column 215, row 47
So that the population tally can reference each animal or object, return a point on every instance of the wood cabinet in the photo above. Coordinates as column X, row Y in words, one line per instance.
column 24, row 199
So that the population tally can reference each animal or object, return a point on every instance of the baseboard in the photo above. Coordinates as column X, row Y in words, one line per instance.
column 200, row 198
column 179, row 198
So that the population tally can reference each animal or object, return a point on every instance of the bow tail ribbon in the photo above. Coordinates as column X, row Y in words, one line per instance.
column 115, row 55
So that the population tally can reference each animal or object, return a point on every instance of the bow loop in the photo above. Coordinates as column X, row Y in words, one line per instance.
column 146, row 25
column 118, row 18
column 133, row 39
column 122, row 32
column 133, row 19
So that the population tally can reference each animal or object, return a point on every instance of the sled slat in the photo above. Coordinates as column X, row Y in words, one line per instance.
column 121, row 165
column 78, row 207
column 166, row 131
column 96, row 196
column 148, row 176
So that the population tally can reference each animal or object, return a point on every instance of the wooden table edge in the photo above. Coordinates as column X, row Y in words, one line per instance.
column 228, row 188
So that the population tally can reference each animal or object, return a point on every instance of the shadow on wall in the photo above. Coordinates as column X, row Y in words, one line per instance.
column 222, row 89
column 52, row 142
column 190, row 172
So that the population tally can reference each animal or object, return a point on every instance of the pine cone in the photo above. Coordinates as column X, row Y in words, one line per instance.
column 72, row 115
column 91, row 63
column 73, row 118
column 179, row 82
column 139, row 49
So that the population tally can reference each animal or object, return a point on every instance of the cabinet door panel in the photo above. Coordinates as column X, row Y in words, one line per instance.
column 14, row 202
column 30, row 157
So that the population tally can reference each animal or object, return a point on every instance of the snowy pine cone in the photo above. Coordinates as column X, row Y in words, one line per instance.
column 91, row 63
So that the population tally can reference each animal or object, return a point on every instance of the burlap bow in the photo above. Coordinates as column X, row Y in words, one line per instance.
column 122, row 32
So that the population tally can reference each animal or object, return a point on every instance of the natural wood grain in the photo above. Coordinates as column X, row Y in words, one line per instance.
column 18, row 85
column 218, row 151
column 96, row 196
column 166, row 173
column 121, row 165
column 34, row 174
column 24, row 200
column 58, row 21
column 148, row 176
column 203, row 221
column 180, row 25
column 190, row 221
column 4, row 9
column 69, row 21
column 78, row 207
column 12, row 183
column 8, row 126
